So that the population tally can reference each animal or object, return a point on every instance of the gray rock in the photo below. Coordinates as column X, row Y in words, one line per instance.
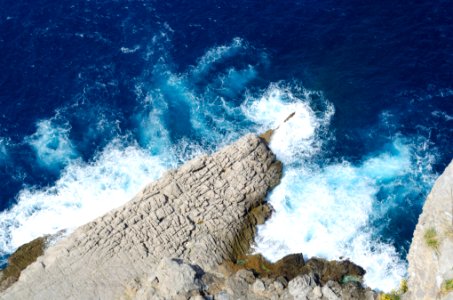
column 431, row 252
column 196, row 213
column 301, row 286
column 259, row 287
column 316, row 293
column 176, row 278
column 331, row 291
column 245, row 276
column 278, row 286
column 238, row 284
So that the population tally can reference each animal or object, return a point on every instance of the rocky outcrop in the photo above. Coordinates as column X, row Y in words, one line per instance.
column 203, row 214
column 185, row 236
column 431, row 252
column 175, row 279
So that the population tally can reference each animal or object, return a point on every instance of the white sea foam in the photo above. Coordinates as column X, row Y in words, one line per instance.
column 296, row 138
column 3, row 148
column 51, row 144
column 127, row 50
column 233, row 81
column 83, row 192
column 202, row 96
column 325, row 211
column 216, row 54
column 319, row 210
column 442, row 114
column 151, row 123
column 328, row 211
column 87, row 190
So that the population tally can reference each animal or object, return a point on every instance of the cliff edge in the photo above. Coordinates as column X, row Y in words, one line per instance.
column 431, row 252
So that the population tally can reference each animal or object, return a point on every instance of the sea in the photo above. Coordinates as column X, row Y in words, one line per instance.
column 99, row 98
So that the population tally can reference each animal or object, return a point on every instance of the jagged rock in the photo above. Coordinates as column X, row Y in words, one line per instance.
column 431, row 252
column 301, row 286
column 244, row 285
column 174, row 279
column 259, row 287
column 238, row 284
column 332, row 290
column 199, row 213
column 334, row 270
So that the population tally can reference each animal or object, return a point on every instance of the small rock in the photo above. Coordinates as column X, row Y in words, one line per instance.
column 278, row 286
column 172, row 190
column 301, row 286
column 283, row 281
column 331, row 290
column 238, row 284
column 316, row 293
column 258, row 287
column 290, row 266
column 352, row 290
column 245, row 275
column 176, row 278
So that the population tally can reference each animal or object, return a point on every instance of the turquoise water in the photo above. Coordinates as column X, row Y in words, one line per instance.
column 99, row 98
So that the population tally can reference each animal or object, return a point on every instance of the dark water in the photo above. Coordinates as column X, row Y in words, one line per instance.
column 100, row 97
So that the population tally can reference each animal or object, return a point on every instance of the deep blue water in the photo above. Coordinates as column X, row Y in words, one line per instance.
column 100, row 97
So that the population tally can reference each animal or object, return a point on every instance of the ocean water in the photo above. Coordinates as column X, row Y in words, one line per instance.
column 98, row 98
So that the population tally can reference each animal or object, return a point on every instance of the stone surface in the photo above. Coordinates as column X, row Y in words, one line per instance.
column 176, row 278
column 241, row 285
column 431, row 252
column 199, row 214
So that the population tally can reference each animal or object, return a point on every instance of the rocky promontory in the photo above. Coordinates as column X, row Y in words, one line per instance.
column 185, row 236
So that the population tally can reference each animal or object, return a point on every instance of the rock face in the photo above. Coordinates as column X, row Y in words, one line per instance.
column 431, row 252
column 200, row 214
